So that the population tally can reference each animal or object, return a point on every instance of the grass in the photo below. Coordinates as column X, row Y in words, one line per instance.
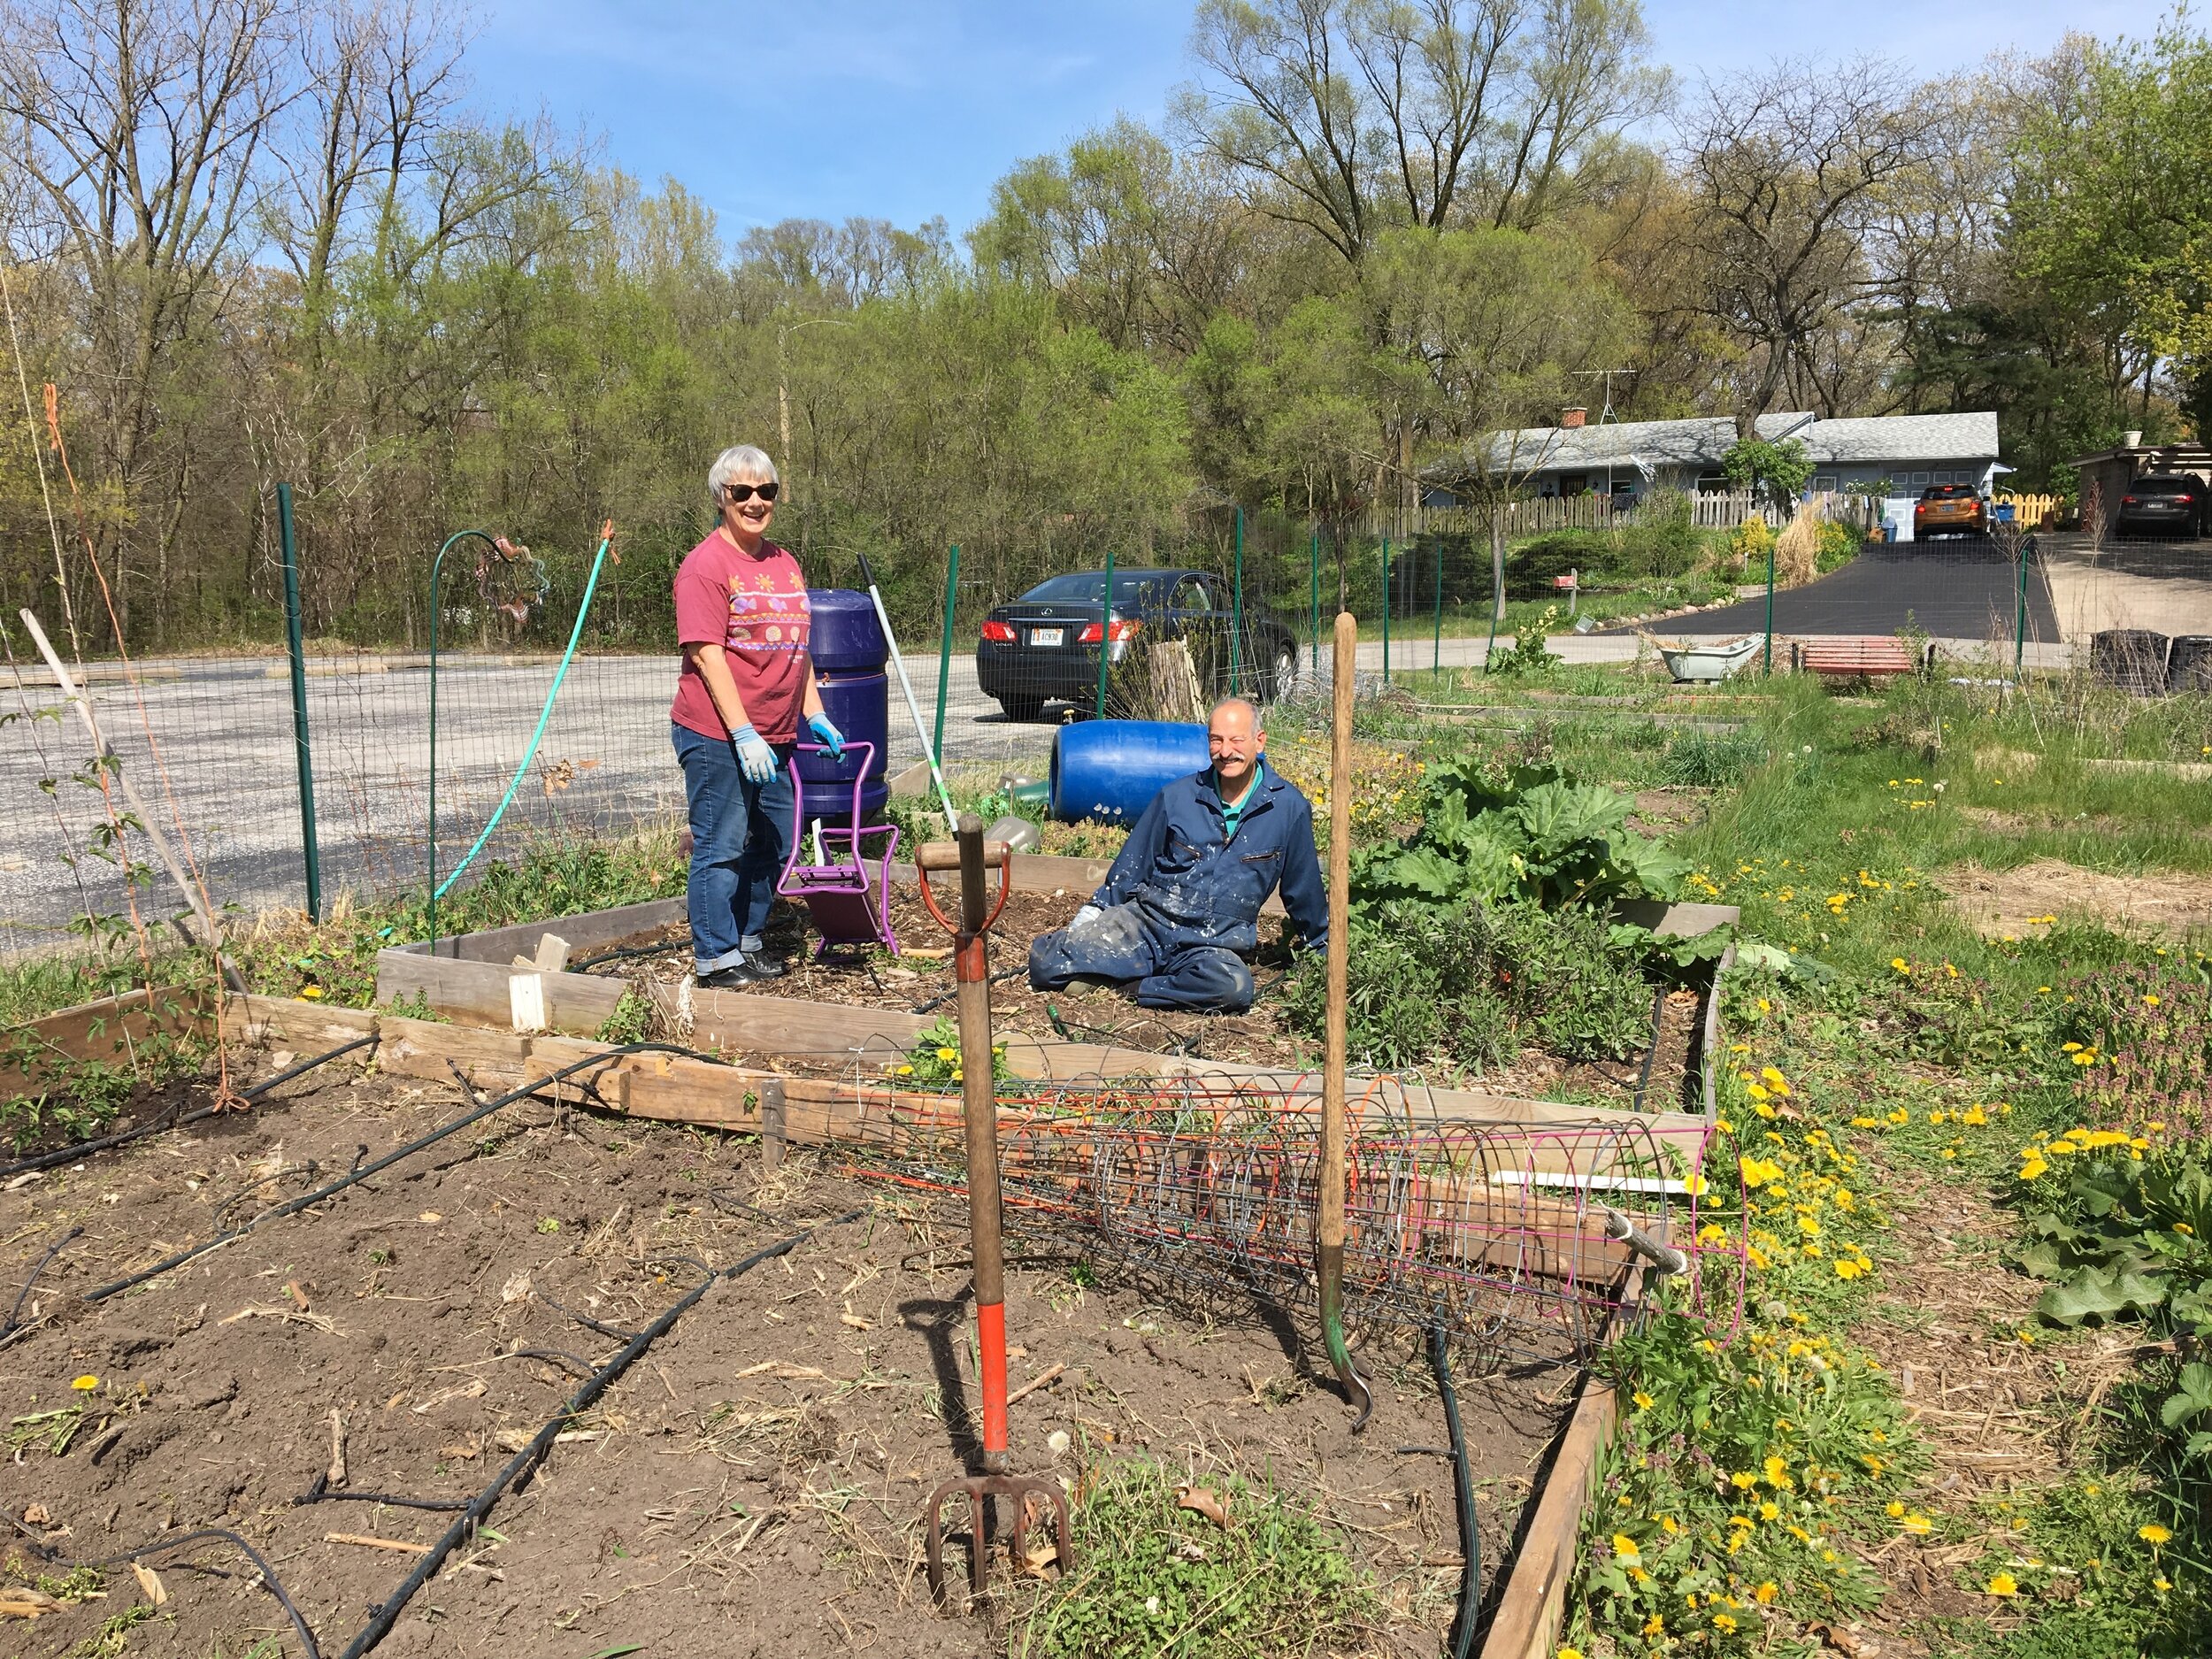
column 1156, row 1576
column 1913, row 1059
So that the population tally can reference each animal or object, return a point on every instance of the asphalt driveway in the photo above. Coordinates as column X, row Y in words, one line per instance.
column 1952, row 589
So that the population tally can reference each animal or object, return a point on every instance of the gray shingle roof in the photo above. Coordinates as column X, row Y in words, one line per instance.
column 1702, row 441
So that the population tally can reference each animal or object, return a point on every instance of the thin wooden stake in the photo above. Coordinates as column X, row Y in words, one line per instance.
column 1329, row 1222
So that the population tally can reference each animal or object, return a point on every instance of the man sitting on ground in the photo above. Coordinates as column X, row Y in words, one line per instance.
column 1180, row 909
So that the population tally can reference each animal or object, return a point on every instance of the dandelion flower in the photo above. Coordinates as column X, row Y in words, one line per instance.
column 1900, row 964
column 84, row 1384
column 2154, row 1534
column 2003, row 1584
column 1918, row 1525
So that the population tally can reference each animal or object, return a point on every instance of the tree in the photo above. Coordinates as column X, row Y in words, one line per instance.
column 2109, row 212
column 1349, row 118
column 137, row 126
column 1784, row 172
column 1777, row 472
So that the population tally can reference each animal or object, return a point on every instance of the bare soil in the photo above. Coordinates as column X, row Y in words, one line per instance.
column 1998, row 903
column 920, row 980
column 753, row 1486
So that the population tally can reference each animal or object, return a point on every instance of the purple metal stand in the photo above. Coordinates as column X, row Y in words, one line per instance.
column 850, row 901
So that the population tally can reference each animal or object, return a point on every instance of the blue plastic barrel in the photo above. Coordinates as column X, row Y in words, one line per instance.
column 850, row 655
column 1109, row 769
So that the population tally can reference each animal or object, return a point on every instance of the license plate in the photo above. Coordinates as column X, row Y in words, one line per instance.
column 1045, row 637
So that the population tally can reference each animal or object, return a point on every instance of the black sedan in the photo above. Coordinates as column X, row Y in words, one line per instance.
column 2172, row 505
column 1044, row 647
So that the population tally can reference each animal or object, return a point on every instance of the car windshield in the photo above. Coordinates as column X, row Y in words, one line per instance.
column 1087, row 587
column 2165, row 485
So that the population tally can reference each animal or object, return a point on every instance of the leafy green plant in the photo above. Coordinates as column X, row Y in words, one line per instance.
column 1529, row 834
column 2126, row 1237
column 631, row 1020
column 934, row 1059
column 1528, row 655
column 1155, row 1577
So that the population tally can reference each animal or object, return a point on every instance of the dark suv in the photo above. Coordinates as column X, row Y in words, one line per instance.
column 1043, row 647
column 2164, row 504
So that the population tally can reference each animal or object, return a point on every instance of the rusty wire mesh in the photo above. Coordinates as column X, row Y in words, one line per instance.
column 1498, row 1231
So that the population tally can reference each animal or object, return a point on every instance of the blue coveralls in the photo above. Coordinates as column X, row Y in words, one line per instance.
column 1182, row 902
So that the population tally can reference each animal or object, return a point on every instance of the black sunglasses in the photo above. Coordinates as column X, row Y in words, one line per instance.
column 745, row 492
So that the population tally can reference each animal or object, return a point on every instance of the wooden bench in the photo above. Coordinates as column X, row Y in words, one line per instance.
column 1875, row 657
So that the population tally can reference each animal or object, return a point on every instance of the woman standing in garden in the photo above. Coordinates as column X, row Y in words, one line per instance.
column 747, row 684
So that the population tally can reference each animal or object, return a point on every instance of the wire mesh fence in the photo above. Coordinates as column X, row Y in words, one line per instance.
column 1239, row 602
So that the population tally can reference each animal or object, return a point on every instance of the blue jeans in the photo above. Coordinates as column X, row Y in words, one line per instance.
column 741, row 833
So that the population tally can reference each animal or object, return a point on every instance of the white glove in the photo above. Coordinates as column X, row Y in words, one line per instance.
column 1088, row 913
column 754, row 759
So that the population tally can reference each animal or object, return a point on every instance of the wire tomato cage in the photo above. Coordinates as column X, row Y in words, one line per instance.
column 1535, row 1241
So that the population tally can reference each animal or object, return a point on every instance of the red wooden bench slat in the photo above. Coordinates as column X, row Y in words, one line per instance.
column 1866, row 658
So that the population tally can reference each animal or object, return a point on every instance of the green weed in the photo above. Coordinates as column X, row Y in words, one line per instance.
column 1153, row 1577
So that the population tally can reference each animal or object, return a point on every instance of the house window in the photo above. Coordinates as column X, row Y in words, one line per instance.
column 1824, row 482
column 1712, row 483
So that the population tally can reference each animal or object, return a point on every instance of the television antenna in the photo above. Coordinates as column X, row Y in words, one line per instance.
column 1605, row 410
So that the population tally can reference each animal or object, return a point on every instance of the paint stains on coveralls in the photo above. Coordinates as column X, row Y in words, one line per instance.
column 1180, row 908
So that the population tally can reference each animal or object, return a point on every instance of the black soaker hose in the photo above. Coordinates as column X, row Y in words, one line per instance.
column 1470, row 1539
column 292, row 1206
column 269, row 1580
column 380, row 1622
column 84, row 1149
column 15, row 1314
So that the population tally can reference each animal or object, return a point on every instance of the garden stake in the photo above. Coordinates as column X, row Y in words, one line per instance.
column 978, row 1108
column 1329, row 1223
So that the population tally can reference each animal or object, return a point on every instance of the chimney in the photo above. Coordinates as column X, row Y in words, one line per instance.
column 1572, row 417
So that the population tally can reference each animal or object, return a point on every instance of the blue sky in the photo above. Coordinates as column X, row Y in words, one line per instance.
column 906, row 109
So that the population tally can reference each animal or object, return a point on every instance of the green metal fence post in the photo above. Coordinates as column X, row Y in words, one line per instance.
column 310, row 849
column 1386, row 608
column 2020, row 610
column 1769, row 669
column 1105, row 632
column 1437, row 666
column 944, row 653
column 1497, row 582
column 1314, row 622
column 1236, row 625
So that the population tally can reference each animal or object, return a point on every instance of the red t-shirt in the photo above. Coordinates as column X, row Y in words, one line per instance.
column 756, row 609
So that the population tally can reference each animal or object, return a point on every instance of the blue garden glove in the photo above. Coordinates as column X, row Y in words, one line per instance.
column 832, row 739
column 754, row 759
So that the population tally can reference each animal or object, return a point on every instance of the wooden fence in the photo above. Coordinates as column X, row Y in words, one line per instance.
column 2031, row 511
column 1717, row 510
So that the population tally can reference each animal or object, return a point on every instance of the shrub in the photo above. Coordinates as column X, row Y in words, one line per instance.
column 1530, row 567
column 1750, row 543
column 1662, row 541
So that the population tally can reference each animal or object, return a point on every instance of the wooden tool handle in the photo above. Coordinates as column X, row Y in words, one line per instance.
column 943, row 856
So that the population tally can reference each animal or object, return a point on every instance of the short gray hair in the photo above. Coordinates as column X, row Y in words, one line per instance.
column 740, row 463
column 1245, row 703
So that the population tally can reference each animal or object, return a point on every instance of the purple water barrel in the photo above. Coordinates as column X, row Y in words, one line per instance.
column 850, row 655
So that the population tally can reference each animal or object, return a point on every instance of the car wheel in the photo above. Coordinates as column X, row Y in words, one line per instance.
column 1022, row 708
column 1282, row 672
